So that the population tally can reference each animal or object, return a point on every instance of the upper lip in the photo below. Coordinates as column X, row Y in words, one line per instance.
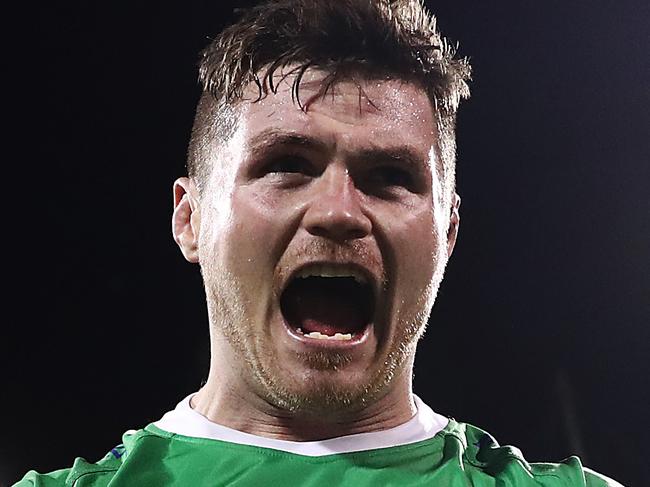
column 353, row 269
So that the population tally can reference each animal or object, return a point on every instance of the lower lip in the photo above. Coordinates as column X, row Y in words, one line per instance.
column 356, row 340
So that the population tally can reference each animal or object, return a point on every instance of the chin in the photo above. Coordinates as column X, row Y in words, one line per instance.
column 323, row 390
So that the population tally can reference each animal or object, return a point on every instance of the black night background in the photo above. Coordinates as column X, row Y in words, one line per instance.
column 540, row 333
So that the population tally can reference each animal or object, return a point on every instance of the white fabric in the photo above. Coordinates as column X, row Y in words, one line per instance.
column 424, row 425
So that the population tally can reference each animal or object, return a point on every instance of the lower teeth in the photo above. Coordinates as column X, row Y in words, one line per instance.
column 320, row 336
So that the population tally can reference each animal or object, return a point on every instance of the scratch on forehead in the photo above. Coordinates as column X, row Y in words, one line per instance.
column 338, row 92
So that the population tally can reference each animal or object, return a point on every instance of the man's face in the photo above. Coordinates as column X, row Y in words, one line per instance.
column 322, row 240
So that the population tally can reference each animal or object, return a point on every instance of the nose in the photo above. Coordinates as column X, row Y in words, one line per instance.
column 335, row 210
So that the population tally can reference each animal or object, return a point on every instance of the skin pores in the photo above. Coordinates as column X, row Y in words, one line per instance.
column 352, row 182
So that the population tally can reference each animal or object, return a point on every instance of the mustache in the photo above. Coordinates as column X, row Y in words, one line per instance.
column 324, row 250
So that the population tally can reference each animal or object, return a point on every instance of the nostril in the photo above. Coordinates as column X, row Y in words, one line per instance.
column 336, row 235
column 340, row 226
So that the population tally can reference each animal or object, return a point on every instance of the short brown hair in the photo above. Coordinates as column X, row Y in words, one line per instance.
column 371, row 38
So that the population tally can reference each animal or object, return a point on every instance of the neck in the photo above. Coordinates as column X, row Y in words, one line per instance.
column 223, row 402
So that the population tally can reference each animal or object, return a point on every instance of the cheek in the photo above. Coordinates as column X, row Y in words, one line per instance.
column 417, row 248
column 418, row 254
column 254, row 231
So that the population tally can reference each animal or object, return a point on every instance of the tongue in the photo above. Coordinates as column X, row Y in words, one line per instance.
column 328, row 306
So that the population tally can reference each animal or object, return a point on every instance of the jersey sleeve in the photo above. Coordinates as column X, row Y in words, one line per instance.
column 35, row 479
column 507, row 465
column 97, row 474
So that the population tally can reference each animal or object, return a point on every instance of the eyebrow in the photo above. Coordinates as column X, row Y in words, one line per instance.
column 272, row 138
column 399, row 155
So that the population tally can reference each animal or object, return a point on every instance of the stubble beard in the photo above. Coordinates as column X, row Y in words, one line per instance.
column 228, row 309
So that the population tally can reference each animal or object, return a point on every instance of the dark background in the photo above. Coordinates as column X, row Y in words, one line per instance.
column 540, row 334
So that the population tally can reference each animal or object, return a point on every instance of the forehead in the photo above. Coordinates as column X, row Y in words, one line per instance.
column 346, row 113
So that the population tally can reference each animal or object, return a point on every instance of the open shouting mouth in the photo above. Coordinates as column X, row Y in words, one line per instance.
column 330, row 303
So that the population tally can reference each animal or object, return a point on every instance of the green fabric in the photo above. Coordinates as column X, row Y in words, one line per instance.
column 459, row 456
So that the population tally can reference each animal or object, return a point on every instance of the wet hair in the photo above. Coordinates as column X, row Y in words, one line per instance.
column 348, row 39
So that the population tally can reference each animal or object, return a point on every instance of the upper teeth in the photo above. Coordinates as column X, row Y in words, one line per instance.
column 327, row 270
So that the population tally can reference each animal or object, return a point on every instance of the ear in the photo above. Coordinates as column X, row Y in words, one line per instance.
column 186, row 218
column 454, row 223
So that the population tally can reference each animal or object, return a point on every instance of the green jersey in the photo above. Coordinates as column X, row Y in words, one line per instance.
column 427, row 451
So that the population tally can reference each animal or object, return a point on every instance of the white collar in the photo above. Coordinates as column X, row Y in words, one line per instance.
column 424, row 425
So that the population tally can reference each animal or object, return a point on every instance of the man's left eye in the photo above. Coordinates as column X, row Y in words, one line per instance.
column 387, row 176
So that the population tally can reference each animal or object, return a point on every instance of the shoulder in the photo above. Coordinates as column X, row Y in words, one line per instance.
column 94, row 474
column 506, row 464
